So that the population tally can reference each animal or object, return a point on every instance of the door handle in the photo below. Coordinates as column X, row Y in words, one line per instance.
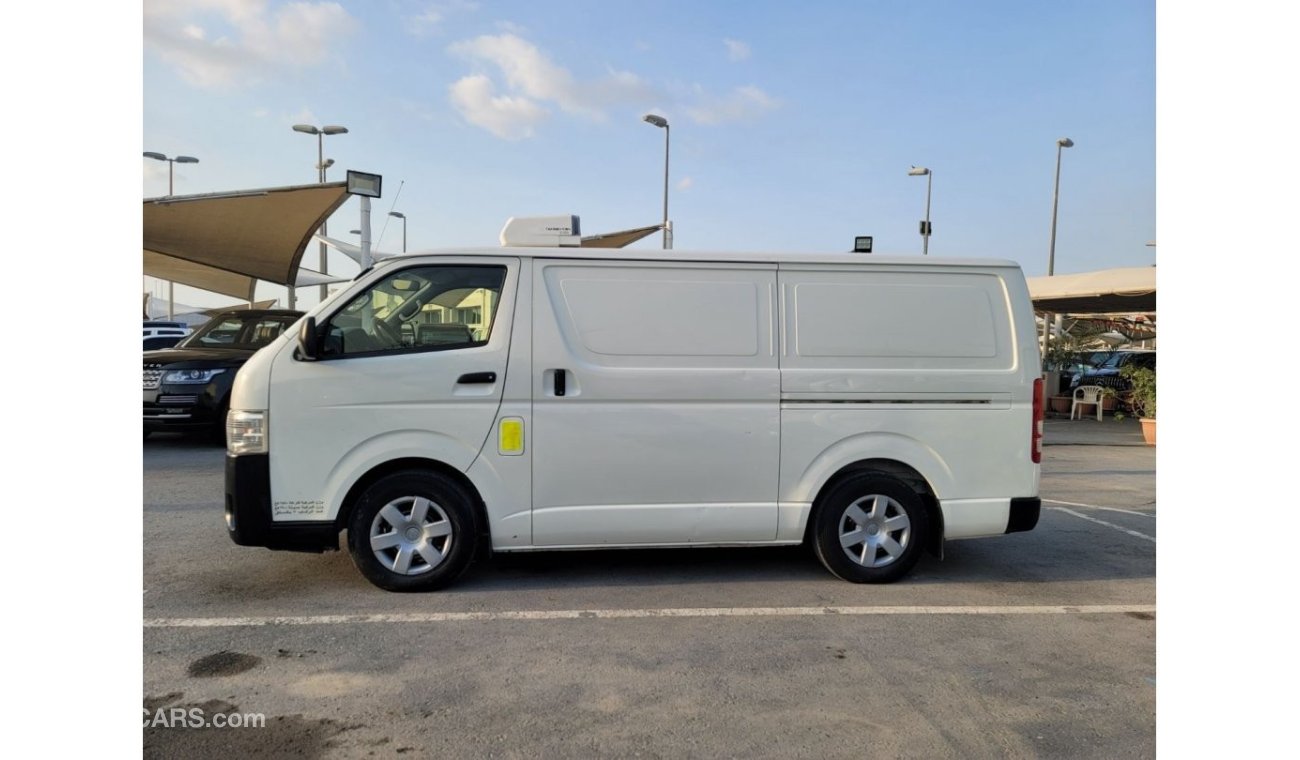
column 559, row 382
column 477, row 378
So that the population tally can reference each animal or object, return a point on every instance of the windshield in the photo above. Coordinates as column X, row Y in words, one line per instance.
column 244, row 331
column 1120, row 359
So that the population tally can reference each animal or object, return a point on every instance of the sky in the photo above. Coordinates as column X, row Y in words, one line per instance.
column 793, row 125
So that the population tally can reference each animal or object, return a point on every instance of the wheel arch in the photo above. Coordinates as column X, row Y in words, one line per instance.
column 391, row 466
column 900, row 470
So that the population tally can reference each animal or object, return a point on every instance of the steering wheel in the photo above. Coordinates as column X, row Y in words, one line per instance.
column 386, row 334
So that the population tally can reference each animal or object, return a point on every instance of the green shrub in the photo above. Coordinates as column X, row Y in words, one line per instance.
column 1142, row 398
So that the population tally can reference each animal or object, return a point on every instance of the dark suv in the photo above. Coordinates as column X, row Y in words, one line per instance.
column 188, row 387
column 1107, row 373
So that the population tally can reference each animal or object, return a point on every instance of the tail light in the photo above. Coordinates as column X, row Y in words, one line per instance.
column 1036, row 436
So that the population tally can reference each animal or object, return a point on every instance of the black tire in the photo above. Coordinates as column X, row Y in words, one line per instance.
column 217, row 433
column 402, row 490
column 146, row 434
column 882, row 499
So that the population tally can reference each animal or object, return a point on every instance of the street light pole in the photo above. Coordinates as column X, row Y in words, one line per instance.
column 321, row 166
column 662, row 123
column 1061, row 144
column 171, row 165
column 401, row 216
column 921, row 171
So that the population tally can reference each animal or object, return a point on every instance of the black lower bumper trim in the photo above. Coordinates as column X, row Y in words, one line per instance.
column 1024, row 514
column 248, row 511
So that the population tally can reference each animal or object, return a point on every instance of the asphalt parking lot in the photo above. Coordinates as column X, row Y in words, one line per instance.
column 1029, row 645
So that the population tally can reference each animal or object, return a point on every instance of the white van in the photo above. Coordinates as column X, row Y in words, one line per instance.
column 585, row 398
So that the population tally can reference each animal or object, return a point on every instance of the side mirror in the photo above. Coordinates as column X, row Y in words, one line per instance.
column 308, row 340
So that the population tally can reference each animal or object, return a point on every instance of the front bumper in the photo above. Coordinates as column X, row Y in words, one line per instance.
column 248, row 511
column 183, row 407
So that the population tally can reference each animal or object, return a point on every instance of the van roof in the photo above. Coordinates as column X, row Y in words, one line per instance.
column 755, row 257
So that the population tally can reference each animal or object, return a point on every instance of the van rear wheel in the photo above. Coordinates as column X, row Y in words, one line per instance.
column 412, row 531
column 870, row 528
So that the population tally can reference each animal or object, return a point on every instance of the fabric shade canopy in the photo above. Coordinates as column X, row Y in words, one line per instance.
column 226, row 242
column 619, row 239
column 1129, row 290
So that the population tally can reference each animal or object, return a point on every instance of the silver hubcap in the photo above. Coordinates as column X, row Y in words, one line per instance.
column 875, row 530
column 411, row 535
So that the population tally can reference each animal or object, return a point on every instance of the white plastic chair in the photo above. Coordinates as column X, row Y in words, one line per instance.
column 1083, row 396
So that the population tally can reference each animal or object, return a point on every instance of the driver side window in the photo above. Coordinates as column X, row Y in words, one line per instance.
column 428, row 308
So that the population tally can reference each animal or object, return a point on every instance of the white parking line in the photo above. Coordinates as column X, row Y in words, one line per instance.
column 1097, row 506
column 1103, row 522
column 701, row 612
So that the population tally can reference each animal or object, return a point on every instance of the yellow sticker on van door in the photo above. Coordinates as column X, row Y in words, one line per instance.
column 510, row 441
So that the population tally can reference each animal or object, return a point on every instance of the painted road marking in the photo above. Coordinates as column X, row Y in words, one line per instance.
column 700, row 612
column 1097, row 506
column 1103, row 522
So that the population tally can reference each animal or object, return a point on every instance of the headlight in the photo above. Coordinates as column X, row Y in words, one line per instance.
column 245, row 432
column 184, row 376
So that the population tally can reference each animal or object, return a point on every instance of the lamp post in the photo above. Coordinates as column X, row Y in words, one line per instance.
column 921, row 171
column 401, row 216
column 321, row 166
column 1061, row 144
column 662, row 123
column 171, row 166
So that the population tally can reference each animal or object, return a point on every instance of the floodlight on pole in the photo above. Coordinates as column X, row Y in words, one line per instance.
column 401, row 216
column 365, row 186
column 662, row 123
column 321, row 166
column 921, row 171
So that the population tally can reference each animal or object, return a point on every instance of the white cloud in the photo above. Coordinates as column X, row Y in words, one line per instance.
column 521, row 86
column 532, row 82
column 685, row 183
column 507, row 117
column 741, row 105
column 429, row 19
column 224, row 43
column 736, row 50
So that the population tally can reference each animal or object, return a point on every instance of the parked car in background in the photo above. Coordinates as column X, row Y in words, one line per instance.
column 1072, row 365
column 1084, row 361
column 163, row 334
column 187, row 387
column 1107, row 375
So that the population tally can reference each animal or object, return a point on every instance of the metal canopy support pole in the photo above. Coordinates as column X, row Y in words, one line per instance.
column 667, row 231
column 366, row 260
column 324, row 255
column 925, row 244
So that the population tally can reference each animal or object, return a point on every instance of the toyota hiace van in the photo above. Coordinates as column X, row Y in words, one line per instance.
column 584, row 398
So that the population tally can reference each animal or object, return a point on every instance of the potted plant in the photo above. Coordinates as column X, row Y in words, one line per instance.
column 1142, row 398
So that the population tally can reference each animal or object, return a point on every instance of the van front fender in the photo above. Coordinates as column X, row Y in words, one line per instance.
column 389, row 446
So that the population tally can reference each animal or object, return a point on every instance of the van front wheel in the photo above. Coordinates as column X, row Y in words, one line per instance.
column 870, row 529
column 412, row 531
